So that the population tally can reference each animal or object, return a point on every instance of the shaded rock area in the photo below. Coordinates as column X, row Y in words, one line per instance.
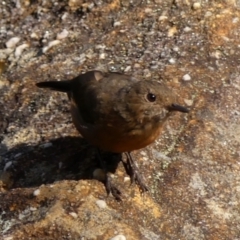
column 192, row 170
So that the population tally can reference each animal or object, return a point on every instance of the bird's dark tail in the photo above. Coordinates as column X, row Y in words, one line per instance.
column 61, row 86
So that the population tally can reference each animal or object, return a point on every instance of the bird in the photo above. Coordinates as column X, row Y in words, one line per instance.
column 117, row 112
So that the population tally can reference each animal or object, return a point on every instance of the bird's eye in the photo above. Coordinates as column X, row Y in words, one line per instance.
column 151, row 97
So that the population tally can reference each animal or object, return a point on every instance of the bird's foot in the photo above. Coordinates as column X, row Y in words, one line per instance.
column 106, row 179
column 133, row 171
column 110, row 188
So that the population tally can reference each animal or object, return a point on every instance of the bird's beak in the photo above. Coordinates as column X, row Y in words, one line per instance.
column 179, row 108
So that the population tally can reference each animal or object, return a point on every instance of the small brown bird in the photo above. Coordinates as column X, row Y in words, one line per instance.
column 116, row 112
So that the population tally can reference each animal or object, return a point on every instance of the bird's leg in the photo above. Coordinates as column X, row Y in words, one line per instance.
column 133, row 171
column 110, row 188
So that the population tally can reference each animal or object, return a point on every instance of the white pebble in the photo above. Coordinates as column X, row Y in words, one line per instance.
column 102, row 56
column 148, row 10
column 126, row 179
column 208, row 14
column 137, row 65
column 143, row 153
column 162, row 18
column 172, row 60
column 10, row 237
column 82, row 58
column 73, row 214
column 7, row 165
column 62, row 34
column 217, row 54
column 127, row 69
column 188, row 102
column 196, row 5
column 50, row 45
column 100, row 46
column 11, row 43
column 119, row 237
column 46, row 145
column 20, row 49
column 36, row 192
column 64, row 16
column 186, row 77
column 116, row 24
column 235, row 20
column 46, row 35
column 175, row 49
column 101, row 203
column 34, row 35
column 145, row 158
column 21, row 216
column 187, row 29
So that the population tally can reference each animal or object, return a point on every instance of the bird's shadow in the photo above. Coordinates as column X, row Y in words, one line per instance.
column 68, row 158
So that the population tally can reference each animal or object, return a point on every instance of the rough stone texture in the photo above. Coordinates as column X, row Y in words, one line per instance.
column 193, row 170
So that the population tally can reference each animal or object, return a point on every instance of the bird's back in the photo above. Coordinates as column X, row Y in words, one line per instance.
column 95, row 97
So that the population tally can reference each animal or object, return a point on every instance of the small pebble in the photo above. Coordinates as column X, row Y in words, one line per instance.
column 127, row 69
column 36, row 192
column 101, row 203
column 46, row 35
column 187, row 29
column 73, row 214
column 145, row 159
column 50, row 45
column 102, row 56
column 126, row 179
column 46, row 145
column 11, row 43
column 172, row 31
column 235, row 20
column 172, row 60
column 18, row 155
column 143, row 153
column 186, row 77
column 175, row 49
column 20, row 49
column 208, row 14
column 100, row 46
column 33, row 209
column 118, row 237
column 116, row 24
column 188, row 102
column 34, row 35
column 162, row 18
column 64, row 16
column 196, row 5
column 8, row 238
column 62, row 34
column 148, row 10
column 217, row 54
column 137, row 65
column 7, row 165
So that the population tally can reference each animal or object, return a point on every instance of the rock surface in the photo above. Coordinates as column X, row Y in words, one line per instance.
column 193, row 169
